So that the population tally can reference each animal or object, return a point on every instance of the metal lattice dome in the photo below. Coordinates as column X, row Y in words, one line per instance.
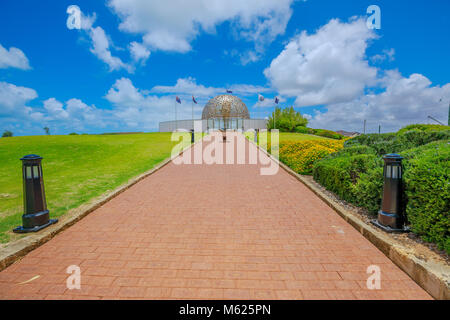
column 225, row 106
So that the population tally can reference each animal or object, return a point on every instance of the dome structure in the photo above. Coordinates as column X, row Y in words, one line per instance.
column 225, row 106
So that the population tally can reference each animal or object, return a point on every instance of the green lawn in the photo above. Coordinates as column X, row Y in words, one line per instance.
column 76, row 169
column 291, row 136
column 288, row 136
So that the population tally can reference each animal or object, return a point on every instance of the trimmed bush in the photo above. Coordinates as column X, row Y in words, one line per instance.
column 424, row 127
column 395, row 143
column 368, row 189
column 355, row 174
column 369, row 139
column 427, row 189
column 339, row 174
column 327, row 134
column 303, row 129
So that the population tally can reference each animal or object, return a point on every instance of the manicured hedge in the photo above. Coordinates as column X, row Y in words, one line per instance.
column 355, row 174
column 424, row 127
column 427, row 190
column 339, row 174
column 395, row 143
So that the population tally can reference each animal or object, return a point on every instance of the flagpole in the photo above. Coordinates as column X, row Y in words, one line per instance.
column 192, row 105
column 176, row 118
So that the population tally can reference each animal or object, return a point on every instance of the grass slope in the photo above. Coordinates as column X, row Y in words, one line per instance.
column 76, row 169
column 289, row 136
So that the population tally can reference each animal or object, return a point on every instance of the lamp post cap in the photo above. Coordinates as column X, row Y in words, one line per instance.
column 393, row 156
column 31, row 157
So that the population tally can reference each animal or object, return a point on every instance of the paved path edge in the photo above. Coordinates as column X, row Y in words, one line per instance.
column 16, row 250
column 432, row 276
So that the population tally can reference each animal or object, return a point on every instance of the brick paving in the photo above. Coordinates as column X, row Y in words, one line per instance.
column 209, row 232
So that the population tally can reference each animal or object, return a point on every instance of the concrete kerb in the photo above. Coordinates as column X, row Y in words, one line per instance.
column 432, row 276
column 15, row 250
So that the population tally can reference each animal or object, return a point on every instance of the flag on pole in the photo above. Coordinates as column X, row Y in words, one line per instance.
column 178, row 100
column 193, row 99
column 276, row 100
column 260, row 97
column 229, row 91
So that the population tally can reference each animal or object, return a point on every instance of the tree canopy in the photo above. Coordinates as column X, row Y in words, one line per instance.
column 286, row 120
column 7, row 134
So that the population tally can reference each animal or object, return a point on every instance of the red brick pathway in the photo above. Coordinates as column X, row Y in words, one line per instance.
column 210, row 232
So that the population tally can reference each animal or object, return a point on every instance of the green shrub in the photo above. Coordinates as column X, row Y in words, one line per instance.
column 423, row 127
column 7, row 134
column 303, row 129
column 286, row 120
column 394, row 143
column 355, row 174
column 427, row 190
column 414, row 138
column 369, row 188
column 341, row 173
column 327, row 134
column 354, row 150
column 369, row 139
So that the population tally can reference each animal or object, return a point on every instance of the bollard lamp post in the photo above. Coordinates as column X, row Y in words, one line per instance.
column 255, row 138
column 391, row 217
column 36, row 215
column 192, row 136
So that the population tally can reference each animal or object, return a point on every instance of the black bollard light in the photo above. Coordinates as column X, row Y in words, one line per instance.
column 256, row 136
column 192, row 136
column 36, row 216
column 391, row 217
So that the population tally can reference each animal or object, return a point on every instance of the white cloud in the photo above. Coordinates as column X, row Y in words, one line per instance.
column 87, row 21
column 387, row 54
column 14, row 102
column 139, row 53
column 100, row 48
column 17, row 114
column 55, row 109
column 13, row 58
column 138, row 109
column 328, row 66
column 14, row 98
column 189, row 86
column 102, row 44
column 404, row 101
column 173, row 27
column 74, row 115
column 269, row 102
column 249, row 89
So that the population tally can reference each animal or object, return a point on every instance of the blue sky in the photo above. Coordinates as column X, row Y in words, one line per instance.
column 317, row 55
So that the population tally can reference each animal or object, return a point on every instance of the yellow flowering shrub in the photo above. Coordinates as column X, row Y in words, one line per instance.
column 300, row 156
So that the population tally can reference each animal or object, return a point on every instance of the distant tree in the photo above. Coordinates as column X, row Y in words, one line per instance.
column 7, row 134
column 47, row 130
column 286, row 120
column 73, row 134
